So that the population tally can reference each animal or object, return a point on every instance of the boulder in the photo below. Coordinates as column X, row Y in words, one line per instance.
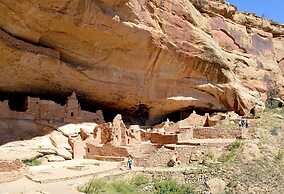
column 216, row 185
column 85, row 134
column 47, row 151
column 195, row 155
column 64, row 153
column 59, row 140
column 26, row 149
column 278, row 116
column 250, row 152
column 73, row 130
column 54, row 158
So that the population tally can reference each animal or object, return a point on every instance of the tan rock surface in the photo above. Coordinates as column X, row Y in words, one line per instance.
column 59, row 140
column 54, row 158
column 23, row 139
column 144, row 58
column 216, row 185
column 250, row 152
column 74, row 129
column 64, row 153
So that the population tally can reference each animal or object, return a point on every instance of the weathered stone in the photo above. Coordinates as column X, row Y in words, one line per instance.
column 193, row 120
column 64, row 153
column 73, row 130
column 53, row 158
column 49, row 111
column 216, row 185
column 59, row 140
column 46, row 151
column 79, row 151
column 85, row 134
column 22, row 144
column 278, row 116
column 250, row 152
column 161, row 54
column 195, row 156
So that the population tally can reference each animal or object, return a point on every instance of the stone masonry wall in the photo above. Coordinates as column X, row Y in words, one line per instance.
column 38, row 109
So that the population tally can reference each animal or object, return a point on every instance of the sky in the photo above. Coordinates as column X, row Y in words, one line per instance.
column 272, row 9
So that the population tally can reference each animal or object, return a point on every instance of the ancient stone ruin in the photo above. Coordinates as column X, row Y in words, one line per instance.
column 114, row 141
column 81, row 134
column 37, row 109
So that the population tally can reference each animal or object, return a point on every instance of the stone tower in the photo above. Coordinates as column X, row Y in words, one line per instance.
column 72, row 107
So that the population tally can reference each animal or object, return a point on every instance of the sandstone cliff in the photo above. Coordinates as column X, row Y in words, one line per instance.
column 145, row 58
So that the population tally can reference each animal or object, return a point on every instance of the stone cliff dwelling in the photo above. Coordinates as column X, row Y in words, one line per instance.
column 164, row 77
column 113, row 141
column 37, row 109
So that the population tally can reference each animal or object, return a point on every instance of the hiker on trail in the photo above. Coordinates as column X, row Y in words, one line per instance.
column 129, row 163
column 242, row 122
column 247, row 123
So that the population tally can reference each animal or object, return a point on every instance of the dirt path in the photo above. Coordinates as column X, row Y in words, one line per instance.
column 61, row 178
column 64, row 177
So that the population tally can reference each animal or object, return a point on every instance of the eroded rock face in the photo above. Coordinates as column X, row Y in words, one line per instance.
column 144, row 58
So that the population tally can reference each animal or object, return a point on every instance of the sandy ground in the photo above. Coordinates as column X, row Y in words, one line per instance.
column 60, row 177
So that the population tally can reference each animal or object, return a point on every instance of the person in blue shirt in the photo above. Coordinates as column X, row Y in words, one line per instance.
column 129, row 162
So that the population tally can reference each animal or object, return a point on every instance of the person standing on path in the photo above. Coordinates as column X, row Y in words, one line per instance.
column 129, row 163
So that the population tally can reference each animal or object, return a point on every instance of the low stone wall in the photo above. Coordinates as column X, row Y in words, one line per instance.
column 215, row 133
column 184, row 154
column 163, row 155
column 108, row 158
column 158, row 138
column 107, row 150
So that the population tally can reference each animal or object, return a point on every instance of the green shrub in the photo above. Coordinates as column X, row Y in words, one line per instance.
column 170, row 186
column 95, row 186
column 280, row 155
column 234, row 148
column 32, row 162
column 123, row 187
column 229, row 157
column 201, row 3
column 273, row 104
column 211, row 155
column 272, row 94
column 236, row 145
column 140, row 181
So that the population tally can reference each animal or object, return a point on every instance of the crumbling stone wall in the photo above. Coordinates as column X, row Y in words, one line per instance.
column 215, row 133
column 158, row 138
column 105, row 150
column 48, row 110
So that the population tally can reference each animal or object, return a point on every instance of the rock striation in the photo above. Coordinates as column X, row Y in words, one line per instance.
column 144, row 58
